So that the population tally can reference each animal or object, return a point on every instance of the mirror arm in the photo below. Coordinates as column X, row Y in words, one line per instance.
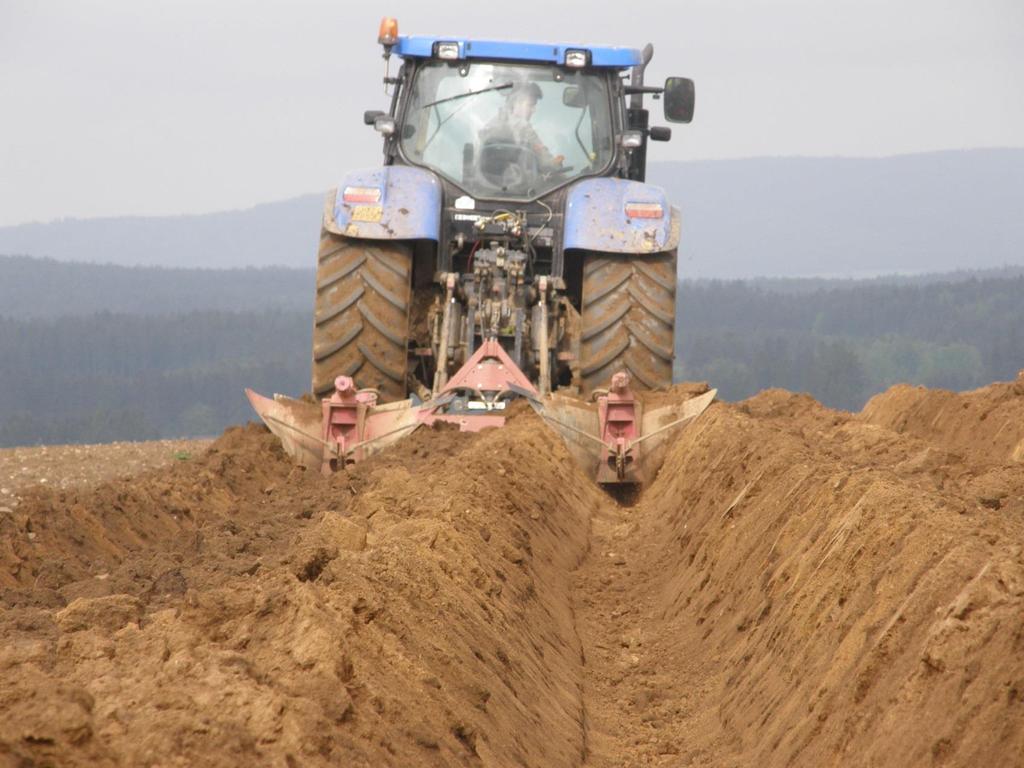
column 651, row 89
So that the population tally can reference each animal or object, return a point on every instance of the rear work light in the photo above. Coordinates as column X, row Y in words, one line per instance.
column 361, row 195
column 384, row 125
column 446, row 50
column 631, row 139
column 576, row 59
column 644, row 210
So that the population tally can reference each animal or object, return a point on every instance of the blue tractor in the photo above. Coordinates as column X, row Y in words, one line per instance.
column 510, row 208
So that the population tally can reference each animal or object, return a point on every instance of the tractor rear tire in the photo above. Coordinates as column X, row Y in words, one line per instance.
column 361, row 322
column 628, row 319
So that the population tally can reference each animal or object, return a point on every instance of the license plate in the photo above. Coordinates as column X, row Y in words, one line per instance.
column 367, row 213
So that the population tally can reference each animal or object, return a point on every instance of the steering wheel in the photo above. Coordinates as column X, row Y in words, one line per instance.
column 509, row 166
column 558, row 170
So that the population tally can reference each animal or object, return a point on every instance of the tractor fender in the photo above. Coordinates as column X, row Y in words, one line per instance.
column 596, row 220
column 408, row 208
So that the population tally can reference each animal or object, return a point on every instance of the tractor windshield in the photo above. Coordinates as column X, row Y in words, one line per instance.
column 507, row 130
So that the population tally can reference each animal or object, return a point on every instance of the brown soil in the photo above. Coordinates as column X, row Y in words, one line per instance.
column 63, row 466
column 798, row 586
column 959, row 422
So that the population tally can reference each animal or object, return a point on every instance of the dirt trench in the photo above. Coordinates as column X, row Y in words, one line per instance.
column 799, row 586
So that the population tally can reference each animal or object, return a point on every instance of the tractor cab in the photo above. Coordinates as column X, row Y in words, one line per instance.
column 515, row 121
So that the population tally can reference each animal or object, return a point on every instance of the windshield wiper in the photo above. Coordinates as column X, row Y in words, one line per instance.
column 498, row 87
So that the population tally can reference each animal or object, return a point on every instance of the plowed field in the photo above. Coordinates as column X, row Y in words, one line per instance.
column 797, row 587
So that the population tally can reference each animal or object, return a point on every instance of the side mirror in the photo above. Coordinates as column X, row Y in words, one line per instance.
column 370, row 116
column 573, row 96
column 659, row 133
column 679, row 97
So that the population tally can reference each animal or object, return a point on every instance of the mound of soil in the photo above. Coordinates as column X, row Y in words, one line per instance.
column 798, row 586
column 983, row 426
column 413, row 611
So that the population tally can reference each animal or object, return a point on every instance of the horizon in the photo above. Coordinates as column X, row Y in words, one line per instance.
column 914, row 213
column 248, row 207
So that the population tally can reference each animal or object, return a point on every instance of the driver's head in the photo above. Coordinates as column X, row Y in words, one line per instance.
column 522, row 100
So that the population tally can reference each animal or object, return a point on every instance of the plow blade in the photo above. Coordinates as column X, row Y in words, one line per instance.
column 624, row 447
column 299, row 426
column 296, row 424
column 662, row 425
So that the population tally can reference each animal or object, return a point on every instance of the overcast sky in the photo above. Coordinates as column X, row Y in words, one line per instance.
column 112, row 107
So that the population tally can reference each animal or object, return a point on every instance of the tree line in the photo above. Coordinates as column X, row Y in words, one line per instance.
column 846, row 341
column 112, row 377
column 125, row 376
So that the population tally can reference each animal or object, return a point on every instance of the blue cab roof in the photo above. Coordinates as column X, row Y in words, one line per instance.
column 422, row 46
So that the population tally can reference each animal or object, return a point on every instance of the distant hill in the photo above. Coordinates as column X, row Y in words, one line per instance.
column 774, row 217
column 284, row 233
column 835, row 217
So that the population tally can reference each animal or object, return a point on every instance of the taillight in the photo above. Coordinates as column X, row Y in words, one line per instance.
column 644, row 210
column 361, row 195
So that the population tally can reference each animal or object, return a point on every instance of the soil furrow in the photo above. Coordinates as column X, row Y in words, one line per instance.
column 798, row 587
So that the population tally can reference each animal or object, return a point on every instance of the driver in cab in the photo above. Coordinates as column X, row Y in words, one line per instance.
column 512, row 123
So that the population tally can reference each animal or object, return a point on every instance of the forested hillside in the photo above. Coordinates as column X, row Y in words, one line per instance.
column 847, row 341
column 128, row 377
column 95, row 353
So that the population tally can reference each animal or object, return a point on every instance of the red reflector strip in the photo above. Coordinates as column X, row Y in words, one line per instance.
column 361, row 195
column 644, row 210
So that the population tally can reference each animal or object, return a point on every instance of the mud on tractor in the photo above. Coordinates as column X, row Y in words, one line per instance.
column 508, row 246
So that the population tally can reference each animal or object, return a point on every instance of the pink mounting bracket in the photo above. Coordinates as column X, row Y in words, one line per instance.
column 344, row 422
column 489, row 373
column 489, row 370
column 618, row 414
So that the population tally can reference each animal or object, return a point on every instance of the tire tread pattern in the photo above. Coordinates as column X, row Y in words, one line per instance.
column 361, row 325
column 628, row 319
